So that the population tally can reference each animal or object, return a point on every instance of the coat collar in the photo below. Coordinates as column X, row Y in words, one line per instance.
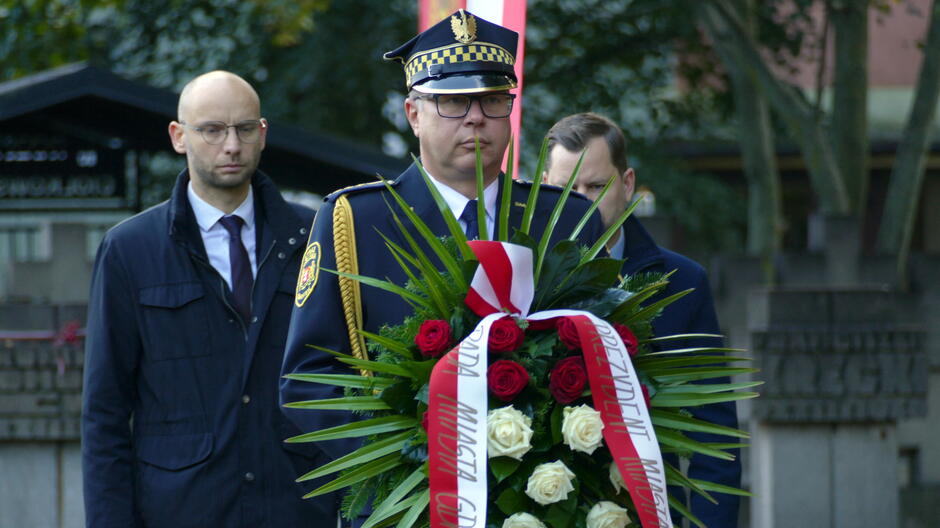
column 640, row 249
column 182, row 221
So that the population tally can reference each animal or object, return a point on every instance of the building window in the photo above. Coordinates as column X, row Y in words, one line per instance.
column 24, row 244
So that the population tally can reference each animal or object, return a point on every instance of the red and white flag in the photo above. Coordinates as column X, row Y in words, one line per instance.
column 507, row 13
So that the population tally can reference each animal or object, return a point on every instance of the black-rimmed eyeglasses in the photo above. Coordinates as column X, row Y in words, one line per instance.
column 215, row 132
column 458, row 105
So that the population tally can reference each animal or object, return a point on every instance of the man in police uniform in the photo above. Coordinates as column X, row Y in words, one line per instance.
column 458, row 73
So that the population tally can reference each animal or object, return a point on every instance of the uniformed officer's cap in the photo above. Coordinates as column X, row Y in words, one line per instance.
column 460, row 54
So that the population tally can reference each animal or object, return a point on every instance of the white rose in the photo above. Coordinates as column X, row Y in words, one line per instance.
column 522, row 520
column 509, row 433
column 616, row 478
column 549, row 483
column 606, row 514
column 582, row 428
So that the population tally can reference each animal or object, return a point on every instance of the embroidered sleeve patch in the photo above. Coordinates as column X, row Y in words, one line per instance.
column 309, row 272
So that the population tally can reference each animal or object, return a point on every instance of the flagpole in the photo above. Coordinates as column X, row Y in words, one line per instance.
column 507, row 13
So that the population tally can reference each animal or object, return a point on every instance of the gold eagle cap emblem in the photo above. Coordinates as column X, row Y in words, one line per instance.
column 464, row 28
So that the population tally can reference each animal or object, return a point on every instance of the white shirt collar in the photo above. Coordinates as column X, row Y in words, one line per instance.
column 457, row 201
column 208, row 215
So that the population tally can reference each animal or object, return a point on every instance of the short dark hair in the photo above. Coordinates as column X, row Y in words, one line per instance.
column 577, row 130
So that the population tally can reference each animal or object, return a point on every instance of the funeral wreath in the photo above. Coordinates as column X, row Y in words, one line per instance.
column 523, row 391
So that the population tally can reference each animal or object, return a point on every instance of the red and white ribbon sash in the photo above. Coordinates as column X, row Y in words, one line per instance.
column 457, row 437
column 503, row 282
column 628, row 429
column 457, row 399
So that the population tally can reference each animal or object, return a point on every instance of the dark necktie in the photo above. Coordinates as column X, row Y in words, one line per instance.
column 241, row 266
column 469, row 217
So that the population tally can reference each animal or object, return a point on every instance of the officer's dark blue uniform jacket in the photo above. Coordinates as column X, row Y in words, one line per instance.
column 691, row 314
column 180, row 423
column 320, row 319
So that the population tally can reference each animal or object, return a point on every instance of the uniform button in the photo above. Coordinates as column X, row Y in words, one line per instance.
column 292, row 241
column 231, row 320
column 249, row 477
column 246, row 399
column 303, row 230
column 254, row 319
column 281, row 255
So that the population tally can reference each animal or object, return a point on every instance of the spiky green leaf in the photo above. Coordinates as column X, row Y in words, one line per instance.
column 362, row 472
column 349, row 403
column 371, row 426
column 379, row 448
column 344, row 380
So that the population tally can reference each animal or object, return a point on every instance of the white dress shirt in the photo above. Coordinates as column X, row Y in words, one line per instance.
column 457, row 202
column 216, row 238
column 617, row 251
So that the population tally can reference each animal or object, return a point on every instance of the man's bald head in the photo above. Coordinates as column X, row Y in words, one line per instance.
column 207, row 87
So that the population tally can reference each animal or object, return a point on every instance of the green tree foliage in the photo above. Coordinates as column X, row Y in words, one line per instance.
column 318, row 64
column 314, row 63
column 834, row 143
column 621, row 59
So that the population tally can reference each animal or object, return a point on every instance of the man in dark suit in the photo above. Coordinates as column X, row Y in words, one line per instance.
column 456, row 99
column 692, row 314
column 190, row 302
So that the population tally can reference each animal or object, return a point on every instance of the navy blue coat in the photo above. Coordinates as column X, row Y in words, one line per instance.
column 320, row 319
column 180, row 425
column 691, row 314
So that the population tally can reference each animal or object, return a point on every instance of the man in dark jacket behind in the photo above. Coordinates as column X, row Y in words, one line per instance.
column 190, row 303
column 692, row 314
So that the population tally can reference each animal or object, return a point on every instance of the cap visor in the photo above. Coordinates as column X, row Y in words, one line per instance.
column 466, row 83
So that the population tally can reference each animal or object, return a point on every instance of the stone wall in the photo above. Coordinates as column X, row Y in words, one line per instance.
column 40, row 410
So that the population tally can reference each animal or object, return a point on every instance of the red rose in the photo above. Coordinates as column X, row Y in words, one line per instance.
column 433, row 338
column 541, row 324
column 567, row 379
column 568, row 333
column 629, row 340
column 505, row 335
column 506, row 379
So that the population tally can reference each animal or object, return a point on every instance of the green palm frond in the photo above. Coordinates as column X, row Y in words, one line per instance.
column 529, row 210
column 506, row 197
column 481, row 205
column 449, row 262
column 553, row 219
column 610, row 232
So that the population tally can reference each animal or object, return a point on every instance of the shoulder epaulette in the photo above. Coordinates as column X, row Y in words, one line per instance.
column 358, row 188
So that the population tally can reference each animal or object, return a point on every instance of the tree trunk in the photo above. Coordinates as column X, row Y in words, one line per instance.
column 801, row 120
column 850, row 98
column 907, row 175
column 756, row 138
